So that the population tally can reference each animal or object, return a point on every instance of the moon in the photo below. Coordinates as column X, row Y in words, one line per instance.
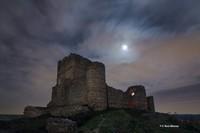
column 124, row 47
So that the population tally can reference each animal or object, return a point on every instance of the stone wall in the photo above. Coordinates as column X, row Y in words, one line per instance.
column 31, row 111
column 117, row 98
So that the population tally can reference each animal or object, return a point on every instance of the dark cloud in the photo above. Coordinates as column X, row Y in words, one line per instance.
column 168, row 15
column 35, row 34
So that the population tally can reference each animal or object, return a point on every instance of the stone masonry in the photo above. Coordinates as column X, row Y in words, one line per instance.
column 81, row 86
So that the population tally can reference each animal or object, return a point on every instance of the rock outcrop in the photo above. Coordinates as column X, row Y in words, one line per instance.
column 81, row 87
column 60, row 125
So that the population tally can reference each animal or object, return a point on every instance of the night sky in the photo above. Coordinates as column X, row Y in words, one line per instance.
column 163, row 39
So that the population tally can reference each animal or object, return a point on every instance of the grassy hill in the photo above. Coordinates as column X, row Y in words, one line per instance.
column 110, row 121
column 9, row 117
column 129, row 121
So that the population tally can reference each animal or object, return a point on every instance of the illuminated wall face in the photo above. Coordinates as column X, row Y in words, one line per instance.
column 132, row 100
column 137, row 97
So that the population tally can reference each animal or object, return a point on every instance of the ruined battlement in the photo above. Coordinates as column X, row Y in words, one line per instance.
column 81, row 86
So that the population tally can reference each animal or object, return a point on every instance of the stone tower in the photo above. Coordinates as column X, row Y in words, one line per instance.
column 80, row 83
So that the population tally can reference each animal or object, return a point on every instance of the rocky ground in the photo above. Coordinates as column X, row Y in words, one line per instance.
column 110, row 121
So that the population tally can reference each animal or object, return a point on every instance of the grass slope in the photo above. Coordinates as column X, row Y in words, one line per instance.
column 110, row 121
column 129, row 121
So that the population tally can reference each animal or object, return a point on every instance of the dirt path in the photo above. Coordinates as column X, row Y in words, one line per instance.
column 99, row 125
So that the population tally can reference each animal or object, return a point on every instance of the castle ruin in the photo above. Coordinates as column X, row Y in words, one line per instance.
column 81, row 86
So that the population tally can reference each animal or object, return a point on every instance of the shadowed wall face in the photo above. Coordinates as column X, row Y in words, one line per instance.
column 150, row 104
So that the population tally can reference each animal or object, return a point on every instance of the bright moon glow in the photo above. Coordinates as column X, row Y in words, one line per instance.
column 124, row 47
column 132, row 94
